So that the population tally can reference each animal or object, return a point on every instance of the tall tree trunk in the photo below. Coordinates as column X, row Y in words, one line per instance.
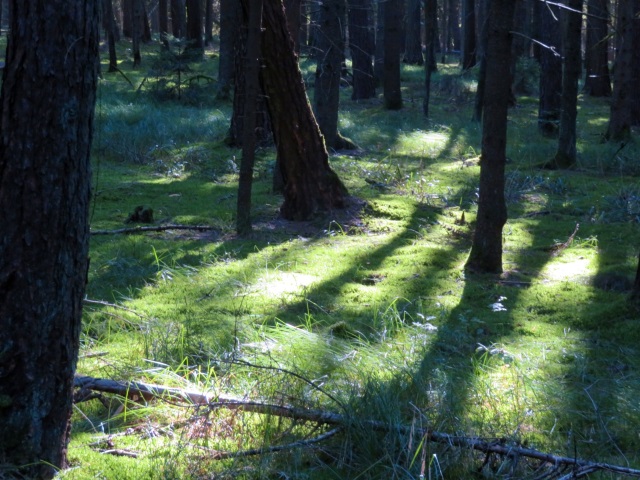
column 430, row 25
column 625, row 72
column 413, row 42
column 127, row 18
column 46, row 122
column 230, row 22
column 597, row 82
column 310, row 183
column 252, row 85
column 208, row 22
column 468, row 34
column 571, row 70
column 195, row 41
column 453, row 17
column 392, row 43
column 330, row 45
column 293, row 10
column 178, row 18
column 378, row 65
column 361, row 44
column 163, row 20
column 482, row 73
column 146, row 27
column 550, row 71
column 107, row 7
column 486, row 251
column 136, row 31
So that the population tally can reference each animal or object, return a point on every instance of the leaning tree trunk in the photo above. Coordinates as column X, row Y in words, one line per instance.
column 326, row 101
column 550, row 71
column 392, row 45
column 571, row 69
column 597, row 81
column 361, row 44
column 46, row 119
column 293, row 8
column 486, row 251
column 310, row 183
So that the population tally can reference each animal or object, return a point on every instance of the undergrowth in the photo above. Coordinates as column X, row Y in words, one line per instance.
column 366, row 313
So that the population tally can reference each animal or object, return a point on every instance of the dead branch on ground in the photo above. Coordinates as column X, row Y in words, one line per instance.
column 137, row 390
column 159, row 228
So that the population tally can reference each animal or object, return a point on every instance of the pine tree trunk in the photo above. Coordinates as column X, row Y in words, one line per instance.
column 311, row 185
column 46, row 120
column 486, row 251
column 392, row 45
column 292, row 8
column 571, row 70
column 361, row 44
column 111, row 34
column 468, row 34
column 195, row 40
column 413, row 42
column 597, row 82
column 163, row 20
column 136, row 31
column 550, row 71
column 230, row 22
column 430, row 24
column 178, row 18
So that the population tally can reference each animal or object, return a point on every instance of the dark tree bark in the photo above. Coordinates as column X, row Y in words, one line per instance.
column 625, row 80
column 195, row 41
column 311, row 185
column 109, row 19
column 46, row 121
column 252, row 85
column 430, row 25
column 127, row 18
column 482, row 73
column 571, row 70
column 293, row 10
column 378, row 64
column 326, row 101
column 178, row 22
column 550, row 71
column 392, row 45
column 453, row 17
column 208, row 22
column 230, row 21
column 635, row 292
column 486, row 251
column 163, row 21
column 146, row 27
column 413, row 41
column 468, row 34
column 136, row 31
column 361, row 44
column 597, row 82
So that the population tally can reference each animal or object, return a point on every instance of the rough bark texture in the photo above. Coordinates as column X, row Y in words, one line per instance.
column 46, row 120
column 310, row 183
column 392, row 46
column 625, row 78
column 482, row 59
column 293, row 10
column 361, row 44
column 413, row 39
column 571, row 70
column 597, row 82
column 468, row 34
column 230, row 22
column 486, row 251
column 550, row 71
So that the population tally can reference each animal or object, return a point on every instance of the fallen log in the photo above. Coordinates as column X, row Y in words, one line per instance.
column 139, row 390
column 159, row 228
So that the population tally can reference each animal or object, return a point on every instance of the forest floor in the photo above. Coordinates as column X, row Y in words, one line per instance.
column 365, row 312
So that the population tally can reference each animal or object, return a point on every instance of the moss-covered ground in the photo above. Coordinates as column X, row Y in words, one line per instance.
column 370, row 304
